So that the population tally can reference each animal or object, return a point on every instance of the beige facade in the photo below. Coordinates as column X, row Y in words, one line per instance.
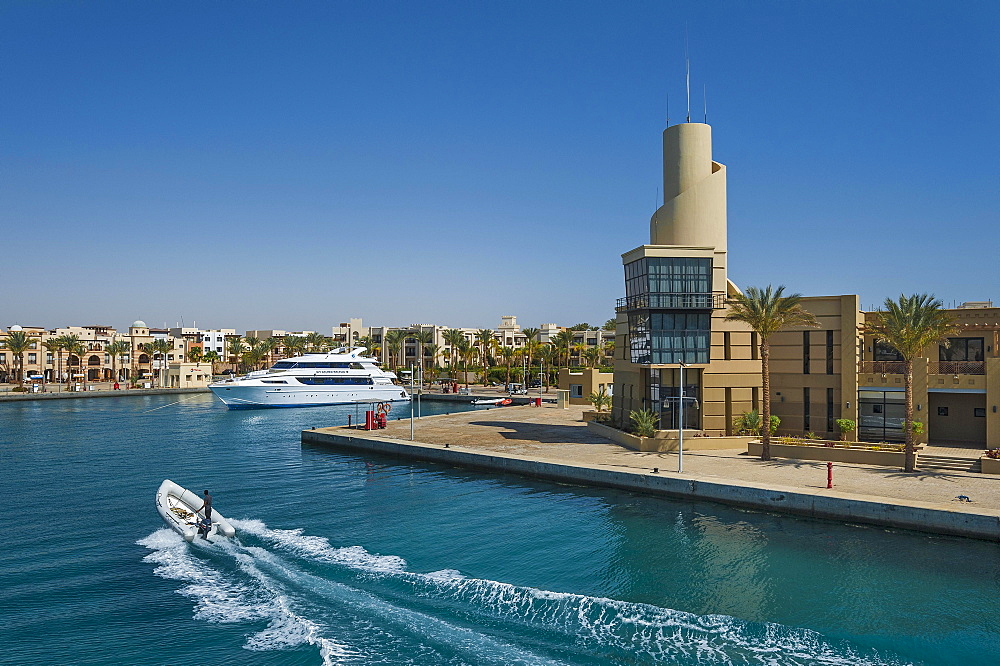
column 188, row 375
column 818, row 375
column 581, row 383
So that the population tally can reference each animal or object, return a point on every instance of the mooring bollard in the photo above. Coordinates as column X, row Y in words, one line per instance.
column 829, row 475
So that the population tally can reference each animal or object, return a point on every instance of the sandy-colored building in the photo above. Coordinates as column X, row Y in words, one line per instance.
column 674, row 311
column 581, row 383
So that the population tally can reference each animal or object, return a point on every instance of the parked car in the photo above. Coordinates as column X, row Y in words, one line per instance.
column 516, row 389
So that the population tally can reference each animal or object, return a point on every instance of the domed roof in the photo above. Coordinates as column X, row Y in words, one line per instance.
column 15, row 327
column 138, row 323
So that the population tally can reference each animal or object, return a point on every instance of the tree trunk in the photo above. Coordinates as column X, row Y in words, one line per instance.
column 765, row 419
column 910, row 459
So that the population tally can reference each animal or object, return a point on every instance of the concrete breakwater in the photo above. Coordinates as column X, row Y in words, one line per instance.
column 978, row 523
column 70, row 395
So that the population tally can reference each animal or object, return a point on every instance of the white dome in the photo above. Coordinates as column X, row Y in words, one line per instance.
column 15, row 327
column 138, row 323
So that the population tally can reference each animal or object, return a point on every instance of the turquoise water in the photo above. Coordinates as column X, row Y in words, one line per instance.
column 354, row 560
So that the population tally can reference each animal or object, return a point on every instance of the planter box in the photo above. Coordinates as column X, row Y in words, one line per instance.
column 665, row 441
column 591, row 415
column 832, row 454
column 990, row 465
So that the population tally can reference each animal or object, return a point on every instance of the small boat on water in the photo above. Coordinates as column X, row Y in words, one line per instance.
column 178, row 508
column 492, row 401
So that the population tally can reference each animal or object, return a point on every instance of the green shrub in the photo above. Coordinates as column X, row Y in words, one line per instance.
column 600, row 400
column 643, row 422
column 845, row 426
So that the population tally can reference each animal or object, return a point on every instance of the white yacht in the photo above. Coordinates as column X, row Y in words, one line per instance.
column 342, row 376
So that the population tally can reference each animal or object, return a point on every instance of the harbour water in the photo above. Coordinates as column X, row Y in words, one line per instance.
column 346, row 559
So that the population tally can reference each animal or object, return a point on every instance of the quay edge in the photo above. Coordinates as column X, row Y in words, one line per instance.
column 842, row 507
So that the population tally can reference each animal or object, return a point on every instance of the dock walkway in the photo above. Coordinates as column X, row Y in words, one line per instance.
column 553, row 443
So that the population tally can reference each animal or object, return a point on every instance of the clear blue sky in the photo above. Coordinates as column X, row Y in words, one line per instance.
column 293, row 164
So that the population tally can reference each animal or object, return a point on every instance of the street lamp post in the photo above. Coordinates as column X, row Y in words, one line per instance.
column 680, row 418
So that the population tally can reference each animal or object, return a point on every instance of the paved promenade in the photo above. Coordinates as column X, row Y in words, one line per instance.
column 550, row 434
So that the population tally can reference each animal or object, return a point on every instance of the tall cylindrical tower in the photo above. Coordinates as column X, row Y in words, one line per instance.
column 694, row 191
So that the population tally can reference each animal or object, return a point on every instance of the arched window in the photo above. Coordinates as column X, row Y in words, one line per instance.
column 94, row 360
column 143, row 358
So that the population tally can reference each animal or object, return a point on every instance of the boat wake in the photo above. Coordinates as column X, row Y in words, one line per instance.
column 357, row 607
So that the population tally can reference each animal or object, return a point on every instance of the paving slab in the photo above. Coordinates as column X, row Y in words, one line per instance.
column 551, row 434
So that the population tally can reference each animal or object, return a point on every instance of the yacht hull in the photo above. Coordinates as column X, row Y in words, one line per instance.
column 260, row 397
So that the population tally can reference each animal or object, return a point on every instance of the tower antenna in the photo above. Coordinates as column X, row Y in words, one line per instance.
column 687, row 72
column 668, row 109
column 704, row 92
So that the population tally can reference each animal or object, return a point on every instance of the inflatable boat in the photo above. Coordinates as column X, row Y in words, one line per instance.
column 492, row 401
column 178, row 508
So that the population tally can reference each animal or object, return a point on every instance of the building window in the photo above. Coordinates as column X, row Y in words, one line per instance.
column 942, row 411
column 979, row 412
column 805, row 352
column 754, row 347
column 805, row 408
column 829, row 410
column 829, row 354
column 727, row 345
column 32, row 358
column 576, row 390
column 883, row 351
column 962, row 349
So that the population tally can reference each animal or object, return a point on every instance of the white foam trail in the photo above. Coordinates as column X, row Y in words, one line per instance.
column 319, row 548
column 481, row 648
column 593, row 623
column 221, row 600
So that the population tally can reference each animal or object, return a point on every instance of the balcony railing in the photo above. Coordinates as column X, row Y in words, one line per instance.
column 933, row 368
column 711, row 301
column 957, row 368
column 884, row 367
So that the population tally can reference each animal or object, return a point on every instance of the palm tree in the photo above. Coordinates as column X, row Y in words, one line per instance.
column 433, row 351
column 55, row 346
column 484, row 337
column 562, row 341
column 195, row 354
column 453, row 338
column 116, row 349
column 69, row 344
column 467, row 352
column 77, row 347
column 394, row 343
column 295, row 345
column 318, row 342
column 17, row 343
column 767, row 312
column 235, row 347
column 593, row 355
column 212, row 357
column 421, row 338
column 161, row 347
column 911, row 324
column 507, row 354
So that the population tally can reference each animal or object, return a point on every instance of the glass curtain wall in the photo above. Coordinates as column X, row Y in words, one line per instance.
column 881, row 416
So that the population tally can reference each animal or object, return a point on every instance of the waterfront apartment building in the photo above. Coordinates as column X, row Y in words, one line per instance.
column 673, row 314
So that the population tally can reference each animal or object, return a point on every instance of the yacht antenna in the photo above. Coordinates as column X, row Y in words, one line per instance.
column 687, row 73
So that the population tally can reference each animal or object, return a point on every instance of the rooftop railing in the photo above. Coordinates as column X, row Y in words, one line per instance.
column 666, row 301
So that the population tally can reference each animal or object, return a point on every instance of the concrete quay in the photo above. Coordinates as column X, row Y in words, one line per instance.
column 70, row 395
column 554, row 444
